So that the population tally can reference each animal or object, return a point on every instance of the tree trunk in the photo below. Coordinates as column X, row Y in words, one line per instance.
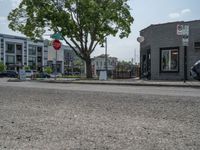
column 88, row 68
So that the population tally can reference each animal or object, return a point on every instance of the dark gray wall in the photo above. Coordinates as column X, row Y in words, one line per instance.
column 164, row 35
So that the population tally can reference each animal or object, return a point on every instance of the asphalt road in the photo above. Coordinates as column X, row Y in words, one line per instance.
column 43, row 116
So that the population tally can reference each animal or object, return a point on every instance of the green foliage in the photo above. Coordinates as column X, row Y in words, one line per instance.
column 71, row 76
column 27, row 68
column 2, row 67
column 48, row 70
column 124, row 66
column 85, row 23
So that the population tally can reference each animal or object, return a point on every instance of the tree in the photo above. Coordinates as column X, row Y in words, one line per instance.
column 83, row 24
column 48, row 70
column 124, row 66
column 27, row 68
column 2, row 67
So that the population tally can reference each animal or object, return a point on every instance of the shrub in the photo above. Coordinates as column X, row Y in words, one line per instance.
column 48, row 70
column 2, row 67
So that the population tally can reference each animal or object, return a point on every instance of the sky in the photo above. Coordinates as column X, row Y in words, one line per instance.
column 144, row 12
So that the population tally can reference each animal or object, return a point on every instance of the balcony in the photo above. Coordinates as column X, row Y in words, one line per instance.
column 19, row 52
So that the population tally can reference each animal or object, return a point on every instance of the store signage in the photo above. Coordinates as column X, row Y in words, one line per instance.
column 182, row 29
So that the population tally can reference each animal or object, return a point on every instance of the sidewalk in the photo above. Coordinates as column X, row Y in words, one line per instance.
column 126, row 82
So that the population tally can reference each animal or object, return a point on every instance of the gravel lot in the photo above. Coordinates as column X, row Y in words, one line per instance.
column 48, row 119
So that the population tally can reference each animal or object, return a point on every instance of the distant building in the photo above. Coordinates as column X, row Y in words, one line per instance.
column 98, row 64
column 56, row 63
column 66, row 60
column 162, row 51
column 16, row 52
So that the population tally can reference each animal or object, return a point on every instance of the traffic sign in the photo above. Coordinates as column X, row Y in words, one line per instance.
column 56, row 44
column 56, row 36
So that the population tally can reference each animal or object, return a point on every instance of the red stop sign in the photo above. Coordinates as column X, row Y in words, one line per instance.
column 57, row 44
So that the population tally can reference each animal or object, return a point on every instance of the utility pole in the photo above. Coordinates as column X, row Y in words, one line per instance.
column 185, row 63
column 106, row 56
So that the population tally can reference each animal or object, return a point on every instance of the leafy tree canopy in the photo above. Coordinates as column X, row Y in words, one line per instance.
column 83, row 24
column 48, row 70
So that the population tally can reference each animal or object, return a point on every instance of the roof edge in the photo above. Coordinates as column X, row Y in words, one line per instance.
column 169, row 23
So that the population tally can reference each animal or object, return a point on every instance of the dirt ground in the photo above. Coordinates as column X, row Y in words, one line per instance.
column 47, row 119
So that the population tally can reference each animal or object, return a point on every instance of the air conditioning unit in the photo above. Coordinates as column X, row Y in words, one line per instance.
column 197, row 45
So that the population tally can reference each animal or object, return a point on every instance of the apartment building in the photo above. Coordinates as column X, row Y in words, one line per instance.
column 16, row 52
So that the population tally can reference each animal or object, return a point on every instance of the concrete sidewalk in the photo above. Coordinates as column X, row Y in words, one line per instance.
column 128, row 82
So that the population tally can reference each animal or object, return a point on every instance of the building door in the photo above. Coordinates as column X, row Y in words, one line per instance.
column 146, row 64
column 149, row 64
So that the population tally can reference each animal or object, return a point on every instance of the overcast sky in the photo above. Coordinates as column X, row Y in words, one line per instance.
column 145, row 13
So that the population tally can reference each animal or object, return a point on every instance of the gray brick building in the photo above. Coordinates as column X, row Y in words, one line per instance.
column 162, row 51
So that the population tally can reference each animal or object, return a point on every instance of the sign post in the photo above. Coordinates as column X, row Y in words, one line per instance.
column 57, row 45
column 22, row 74
column 184, row 31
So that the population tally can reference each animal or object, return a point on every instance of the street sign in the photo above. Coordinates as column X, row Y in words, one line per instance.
column 56, row 36
column 56, row 44
column 182, row 29
column 185, row 40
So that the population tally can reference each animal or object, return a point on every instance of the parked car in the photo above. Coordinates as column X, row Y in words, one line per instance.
column 76, row 73
column 72, row 73
column 195, row 71
column 43, row 75
column 12, row 73
column 3, row 74
column 54, row 74
column 9, row 73
column 29, row 73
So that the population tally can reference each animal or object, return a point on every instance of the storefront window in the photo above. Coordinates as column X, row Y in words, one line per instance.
column 169, row 60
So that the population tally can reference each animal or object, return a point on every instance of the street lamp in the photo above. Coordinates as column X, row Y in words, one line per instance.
column 140, row 40
column 106, row 55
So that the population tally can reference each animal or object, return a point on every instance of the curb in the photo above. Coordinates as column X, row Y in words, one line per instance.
column 120, row 84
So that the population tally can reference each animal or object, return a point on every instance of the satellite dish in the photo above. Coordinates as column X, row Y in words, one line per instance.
column 140, row 39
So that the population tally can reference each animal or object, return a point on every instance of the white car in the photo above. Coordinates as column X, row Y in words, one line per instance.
column 53, row 75
column 29, row 73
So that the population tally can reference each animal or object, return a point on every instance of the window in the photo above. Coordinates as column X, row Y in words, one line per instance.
column 19, row 49
column 10, row 48
column 19, row 58
column 169, row 60
column 32, row 50
column 197, row 45
column 39, row 50
column 10, row 59
column 32, row 61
